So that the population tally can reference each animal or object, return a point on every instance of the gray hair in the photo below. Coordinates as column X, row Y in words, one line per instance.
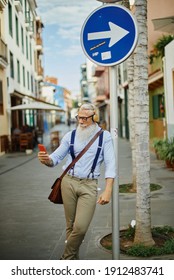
column 88, row 106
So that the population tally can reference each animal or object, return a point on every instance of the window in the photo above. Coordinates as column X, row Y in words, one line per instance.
column 23, row 71
column 27, row 47
column 10, row 19
column 7, row 81
column 18, row 71
column 119, row 75
column 1, row 100
column 158, row 106
column 25, row 4
column 36, row 87
column 22, row 39
column 28, row 80
column 32, row 81
column 11, row 66
column 17, row 30
column 30, row 54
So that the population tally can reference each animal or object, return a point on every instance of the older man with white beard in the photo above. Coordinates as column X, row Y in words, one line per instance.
column 79, row 185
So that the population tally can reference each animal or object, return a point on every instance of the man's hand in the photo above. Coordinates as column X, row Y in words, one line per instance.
column 45, row 159
column 105, row 197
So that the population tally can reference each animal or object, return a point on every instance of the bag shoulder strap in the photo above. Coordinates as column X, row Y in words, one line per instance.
column 81, row 153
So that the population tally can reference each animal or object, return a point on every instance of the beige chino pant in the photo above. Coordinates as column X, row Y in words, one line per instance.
column 79, row 200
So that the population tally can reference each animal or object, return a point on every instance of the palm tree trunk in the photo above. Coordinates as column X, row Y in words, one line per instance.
column 130, row 67
column 141, row 108
column 126, row 3
column 130, row 73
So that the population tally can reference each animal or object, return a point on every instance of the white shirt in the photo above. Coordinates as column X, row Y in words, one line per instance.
column 83, row 166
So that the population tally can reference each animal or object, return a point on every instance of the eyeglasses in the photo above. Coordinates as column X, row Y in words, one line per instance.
column 83, row 118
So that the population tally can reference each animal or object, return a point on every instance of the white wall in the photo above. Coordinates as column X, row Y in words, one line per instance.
column 48, row 93
column 4, row 116
column 91, row 80
column 169, row 87
column 18, row 54
column 16, row 50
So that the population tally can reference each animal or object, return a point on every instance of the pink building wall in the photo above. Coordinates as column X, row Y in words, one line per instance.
column 157, row 9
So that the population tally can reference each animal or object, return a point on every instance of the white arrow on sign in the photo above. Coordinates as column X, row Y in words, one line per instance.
column 116, row 33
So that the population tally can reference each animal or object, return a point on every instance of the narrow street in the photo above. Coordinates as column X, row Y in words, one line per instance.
column 33, row 228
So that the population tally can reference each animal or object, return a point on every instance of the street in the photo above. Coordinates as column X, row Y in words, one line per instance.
column 34, row 228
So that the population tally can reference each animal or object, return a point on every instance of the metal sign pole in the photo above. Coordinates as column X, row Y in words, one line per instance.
column 114, row 133
column 117, row 34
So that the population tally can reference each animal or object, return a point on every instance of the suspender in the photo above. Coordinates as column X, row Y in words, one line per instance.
column 72, row 144
column 100, row 142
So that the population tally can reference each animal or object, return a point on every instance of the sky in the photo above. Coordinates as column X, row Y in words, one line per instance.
column 63, row 54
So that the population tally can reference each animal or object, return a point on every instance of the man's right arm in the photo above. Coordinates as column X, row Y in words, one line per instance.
column 58, row 155
column 45, row 159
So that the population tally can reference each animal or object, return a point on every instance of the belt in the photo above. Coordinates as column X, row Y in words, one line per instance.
column 80, row 179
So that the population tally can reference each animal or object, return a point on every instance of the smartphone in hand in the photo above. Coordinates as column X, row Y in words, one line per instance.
column 42, row 148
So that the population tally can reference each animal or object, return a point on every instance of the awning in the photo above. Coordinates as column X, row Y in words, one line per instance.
column 155, row 79
column 37, row 106
column 165, row 24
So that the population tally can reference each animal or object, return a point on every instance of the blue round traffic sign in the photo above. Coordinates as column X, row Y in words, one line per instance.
column 109, row 35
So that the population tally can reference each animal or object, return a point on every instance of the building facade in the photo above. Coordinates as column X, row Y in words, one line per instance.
column 54, row 93
column 3, row 81
column 160, row 80
column 22, row 45
column 156, row 82
column 24, row 69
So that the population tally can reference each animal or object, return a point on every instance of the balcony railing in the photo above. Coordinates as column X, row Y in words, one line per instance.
column 32, row 4
column 2, row 4
column 27, row 17
column 3, row 53
column 99, row 70
column 18, row 5
column 40, row 71
column 39, row 40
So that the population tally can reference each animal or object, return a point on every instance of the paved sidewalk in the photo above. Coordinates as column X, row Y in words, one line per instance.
column 12, row 160
column 33, row 228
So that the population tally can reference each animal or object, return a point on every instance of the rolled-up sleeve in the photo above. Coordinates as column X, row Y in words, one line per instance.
column 109, row 156
column 60, row 153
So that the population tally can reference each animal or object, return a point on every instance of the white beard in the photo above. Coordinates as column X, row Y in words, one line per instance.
column 84, row 133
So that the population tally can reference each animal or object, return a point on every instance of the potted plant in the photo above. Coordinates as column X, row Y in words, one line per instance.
column 167, row 152
column 170, row 155
column 163, row 150
column 159, row 47
column 157, row 144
